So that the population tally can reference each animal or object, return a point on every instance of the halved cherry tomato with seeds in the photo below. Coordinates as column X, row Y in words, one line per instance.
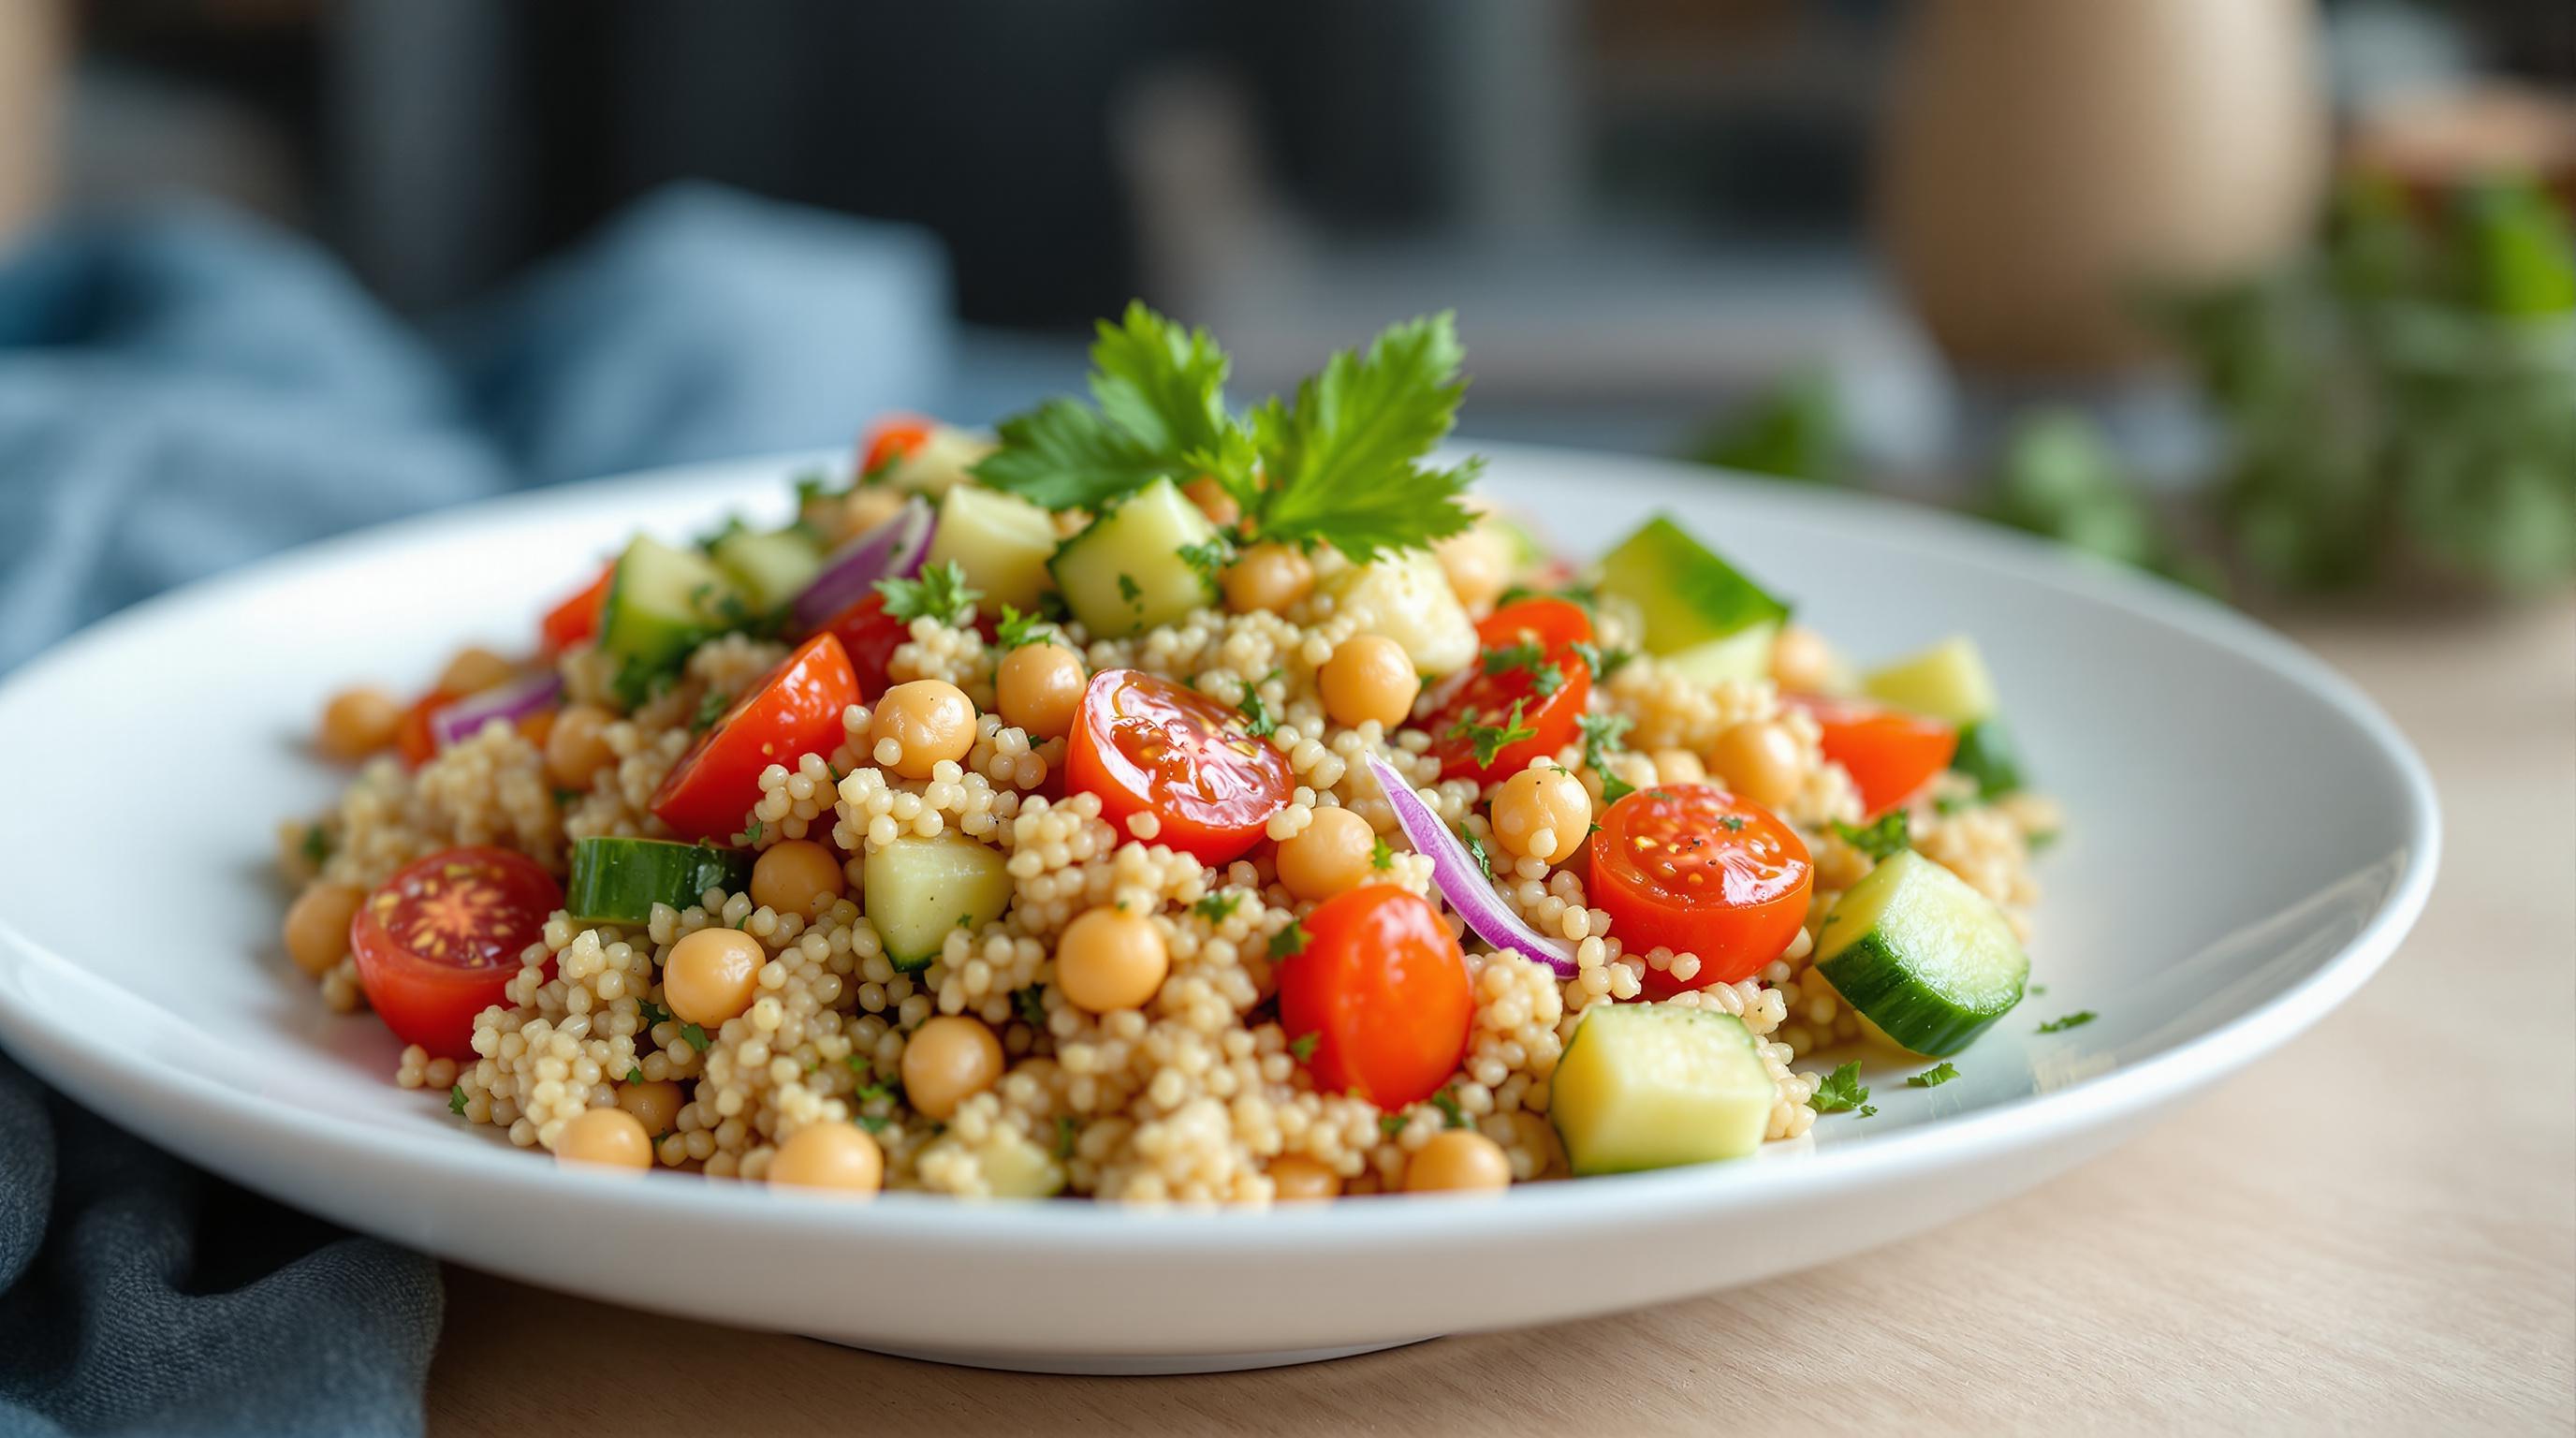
column 414, row 740
column 1527, row 668
column 1694, row 869
column 1381, row 987
column 439, row 941
column 795, row 710
column 890, row 439
column 1888, row 752
column 1548, row 622
column 1146, row 745
column 577, row 618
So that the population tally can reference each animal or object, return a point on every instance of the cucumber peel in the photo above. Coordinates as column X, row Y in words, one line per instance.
column 1916, row 951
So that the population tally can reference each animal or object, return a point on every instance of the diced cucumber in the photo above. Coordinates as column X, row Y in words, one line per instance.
column 1701, row 614
column 916, row 891
column 1001, row 541
column 1988, row 755
column 1127, row 573
column 770, row 569
column 1947, row 681
column 1922, row 955
column 1656, row 1086
column 618, row 880
column 661, row 603
column 1406, row 597
column 943, row 460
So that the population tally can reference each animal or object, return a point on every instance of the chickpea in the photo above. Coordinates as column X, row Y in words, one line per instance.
column 838, row 1158
column 931, row 718
column 1268, row 576
column 1329, row 855
column 1110, row 959
column 1543, row 812
column 577, row 747
column 1759, row 761
column 1801, row 661
column 358, row 722
column 1039, row 687
column 796, row 877
column 1213, row 501
column 1295, row 1178
column 1478, row 566
column 1458, row 1158
column 1369, row 677
column 947, row 1061
column 710, row 975
column 655, row 1104
column 1679, row 766
column 317, row 925
column 608, row 1137
column 473, row 670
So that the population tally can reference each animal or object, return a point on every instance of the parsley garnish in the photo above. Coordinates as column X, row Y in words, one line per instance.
column 1160, row 389
column 1602, row 662
column 753, row 830
column 810, row 486
column 1476, row 851
column 1391, row 1124
column 566, row 798
column 1531, row 658
column 1450, row 1113
column 1289, row 941
column 317, row 845
column 1217, row 908
column 1840, row 1090
column 1934, row 1076
column 1604, row 735
column 711, row 707
column 1732, row 823
column 1302, row 1047
column 1381, row 856
column 653, row 1013
column 2075, row 1020
column 1883, row 840
column 697, row 1037
column 1128, row 590
column 940, row 593
column 1259, row 722
column 1064, row 1135
column 2040, row 841
column 2038, row 990
column 1489, row 740
column 1867, row 1110
column 1208, row 559
column 1017, row 629
column 635, row 1075
column 1030, row 1004
column 1343, row 465
column 456, row 1100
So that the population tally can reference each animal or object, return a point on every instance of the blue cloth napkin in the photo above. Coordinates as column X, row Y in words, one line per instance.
column 182, row 391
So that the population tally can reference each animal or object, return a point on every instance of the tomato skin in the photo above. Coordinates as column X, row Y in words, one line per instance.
column 1654, row 842
column 1888, row 752
column 1556, row 625
column 794, row 710
column 577, row 618
column 891, row 438
column 438, row 942
column 1383, row 987
column 1145, row 744
column 869, row 636
column 414, row 740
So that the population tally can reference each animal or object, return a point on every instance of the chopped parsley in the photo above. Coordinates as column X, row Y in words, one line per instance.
column 1342, row 465
column 752, row 831
column 873, row 1123
column 711, row 707
column 1289, row 941
column 811, row 486
column 1934, row 1076
column 1450, row 1113
column 1883, row 840
column 697, row 1037
column 2075, row 1020
column 941, row 593
column 566, row 798
column 635, row 1075
column 1489, row 740
column 1732, row 823
column 1476, row 851
column 1302, row 1047
column 1259, row 722
column 1128, row 590
column 1867, row 1110
column 1064, row 1136
column 1391, row 1124
column 1840, row 1090
column 317, row 845
column 1381, row 856
column 456, row 1100
column 2039, row 842
column 1161, row 413
column 2037, row 991
column 1209, row 559
column 1019, row 629
column 654, row 1014
column 1604, row 735
column 1529, row 657
column 1602, row 662
column 1030, row 1004
column 1218, row 907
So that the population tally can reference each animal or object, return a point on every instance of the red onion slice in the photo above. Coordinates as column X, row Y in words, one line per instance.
column 509, row 703
column 1455, row 873
column 892, row 550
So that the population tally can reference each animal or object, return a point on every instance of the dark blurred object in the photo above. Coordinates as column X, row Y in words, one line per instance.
column 2433, row 142
column 1794, row 430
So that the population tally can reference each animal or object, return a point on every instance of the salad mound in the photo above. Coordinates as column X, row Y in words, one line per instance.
column 1164, row 802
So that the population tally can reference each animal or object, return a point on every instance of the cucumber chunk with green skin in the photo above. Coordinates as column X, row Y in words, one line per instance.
column 1655, row 1086
column 1742, row 655
column 769, row 569
column 1948, row 682
column 1129, row 571
column 661, row 603
column 1922, row 955
column 918, row 891
column 619, row 880
column 1001, row 542
column 1988, row 755
column 1690, row 598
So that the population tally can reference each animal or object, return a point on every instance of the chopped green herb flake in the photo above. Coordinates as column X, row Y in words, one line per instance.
column 1065, row 1132
column 941, row 593
column 1934, row 1076
column 697, row 1037
column 1450, row 1113
column 2075, row 1020
column 1030, row 1004
column 653, row 1013
column 1129, row 591
column 1840, row 1090
column 1391, row 1124
column 635, row 1075
column 1218, row 907
column 1019, row 629
column 1476, row 851
column 456, row 1100
column 1882, row 840
column 1602, row 662
column 1302, row 1047
column 711, row 707
column 1489, row 740
column 1732, row 823
column 317, row 845
column 1289, row 941
column 1381, row 855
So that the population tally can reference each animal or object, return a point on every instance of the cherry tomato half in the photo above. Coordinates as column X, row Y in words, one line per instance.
column 1527, row 660
column 1888, row 752
column 891, row 438
column 414, row 740
column 440, row 940
column 1382, row 986
column 1694, row 869
column 795, row 710
column 870, row 636
column 577, row 618
column 1147, row 745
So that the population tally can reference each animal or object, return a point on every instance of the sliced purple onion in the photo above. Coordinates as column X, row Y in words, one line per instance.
column 1455, row 873
column 892, row 550
column 509, row 703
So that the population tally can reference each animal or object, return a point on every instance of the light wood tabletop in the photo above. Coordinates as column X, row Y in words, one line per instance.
column 2373, row 1230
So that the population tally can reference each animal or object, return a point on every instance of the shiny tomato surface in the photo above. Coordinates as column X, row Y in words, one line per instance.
column 890, row 439
column 794, row 711
column 1889, row 753
column 1527, row 677
column 439, row 941
column 1381, row 989
column 1694, row 869
column 1146, row 745
column 870, row 636
column 577, row 618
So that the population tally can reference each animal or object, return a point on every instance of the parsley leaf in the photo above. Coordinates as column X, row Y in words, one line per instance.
column 1289, row 941
column 1602, row 662
column 1934, row 1076
column 1259, row 722
column 1391, row 1124
column 1066, row 455
column 1502, row 659
column 697, row 1037
column 317, row 845
column 711, row 707
column 753, row 830
column 940, row 593
column 635, row 1074
column 1160, row 391
column 1732, row 823
column 1883, row 840
column 456, row 1100
column 1380, row 855
column 653, row 1013
column 1302, row 1047
column 1447, row 1102
column 1019, row 629
column 1064, row 1136
column 1342, row 465
column 1476, row 851
column 2075, row 1020
column 1840, row 1090
column 1210, row 560
column 1867, row 1110
column 1489, row 740
column 1030, row 1004
column 1129, row 591
column 1604, row 735
column 1217, row 908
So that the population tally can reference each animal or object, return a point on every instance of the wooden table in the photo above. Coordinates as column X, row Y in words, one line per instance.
column 2374, row 1230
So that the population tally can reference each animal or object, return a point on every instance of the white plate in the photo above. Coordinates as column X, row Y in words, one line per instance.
column 2249, row 838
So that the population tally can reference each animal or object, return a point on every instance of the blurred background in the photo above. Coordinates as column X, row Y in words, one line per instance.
column 2274, row 296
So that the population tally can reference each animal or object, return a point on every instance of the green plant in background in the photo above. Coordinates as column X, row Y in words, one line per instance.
column 1794, row 430
column 2057, row 477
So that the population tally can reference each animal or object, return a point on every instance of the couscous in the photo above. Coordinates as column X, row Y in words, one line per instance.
column 1160, row 803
